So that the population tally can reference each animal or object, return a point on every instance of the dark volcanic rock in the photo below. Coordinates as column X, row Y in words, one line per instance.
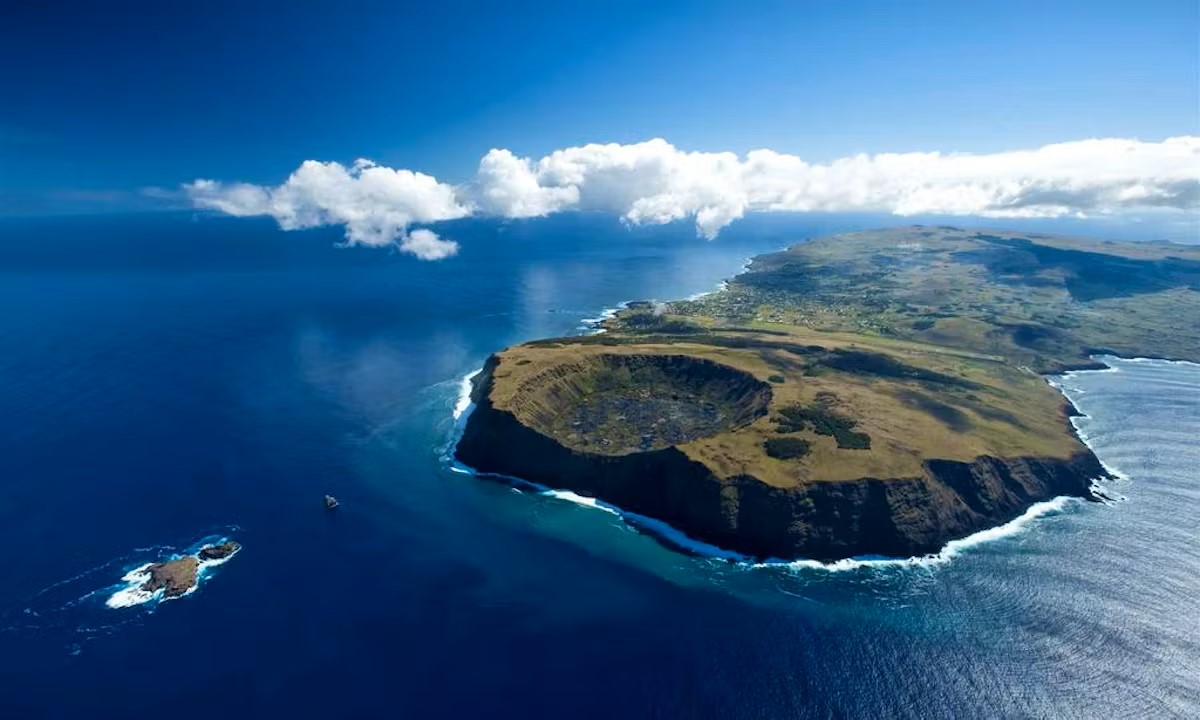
column 218, row 552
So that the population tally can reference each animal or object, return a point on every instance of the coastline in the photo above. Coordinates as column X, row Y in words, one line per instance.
column 679, row 540
column 1055, row 381
column 595, row 325
column 676, row 538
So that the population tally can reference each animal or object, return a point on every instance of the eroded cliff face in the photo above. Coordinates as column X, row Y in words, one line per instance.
column 820, row 520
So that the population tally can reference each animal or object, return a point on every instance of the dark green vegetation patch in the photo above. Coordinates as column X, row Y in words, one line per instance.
column 823, row 421
column 619, row 404
column 1087, row 275
column 880, row 365
column 787, row 448
column 948, row 415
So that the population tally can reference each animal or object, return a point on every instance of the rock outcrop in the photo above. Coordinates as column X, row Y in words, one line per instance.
column 218, row 552
column 176, row 577
column 173, row 577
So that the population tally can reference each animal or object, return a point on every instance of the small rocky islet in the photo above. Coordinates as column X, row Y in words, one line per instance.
column 178, row 576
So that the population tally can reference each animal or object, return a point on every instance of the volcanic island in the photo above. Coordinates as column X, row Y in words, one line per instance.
column 870, row 394
column 177, row 577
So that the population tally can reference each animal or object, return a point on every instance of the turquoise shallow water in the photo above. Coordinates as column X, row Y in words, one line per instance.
column 163, row 380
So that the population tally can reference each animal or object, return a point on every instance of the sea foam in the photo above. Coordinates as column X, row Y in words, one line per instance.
column 677, row 538
column 463, row 404
column 594, row 325
column 132, row 594
column 949, row 551
column 1062, row 384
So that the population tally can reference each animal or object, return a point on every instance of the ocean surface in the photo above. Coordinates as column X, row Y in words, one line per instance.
column 167, row 380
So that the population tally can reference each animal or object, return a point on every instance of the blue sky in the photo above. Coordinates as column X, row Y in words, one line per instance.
column 99, row 99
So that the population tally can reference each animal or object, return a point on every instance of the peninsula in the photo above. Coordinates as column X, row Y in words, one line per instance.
column 876, row 393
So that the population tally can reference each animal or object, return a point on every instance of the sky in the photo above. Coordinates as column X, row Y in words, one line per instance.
column 119, row 105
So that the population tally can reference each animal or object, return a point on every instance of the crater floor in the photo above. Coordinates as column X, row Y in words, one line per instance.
column 617, row 404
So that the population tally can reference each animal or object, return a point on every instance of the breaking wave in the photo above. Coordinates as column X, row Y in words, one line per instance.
column 132, row 594
column 463, row 404
column 949, row 551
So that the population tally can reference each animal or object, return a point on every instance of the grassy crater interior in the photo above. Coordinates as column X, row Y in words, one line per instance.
column 616, row 404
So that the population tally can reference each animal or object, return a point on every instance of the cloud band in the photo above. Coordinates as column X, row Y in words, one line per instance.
column 654, row 182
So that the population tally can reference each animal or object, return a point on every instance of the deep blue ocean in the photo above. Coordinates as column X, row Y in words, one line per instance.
column 167, row 378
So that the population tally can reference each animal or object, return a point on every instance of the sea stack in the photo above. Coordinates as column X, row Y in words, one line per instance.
column 219, row 552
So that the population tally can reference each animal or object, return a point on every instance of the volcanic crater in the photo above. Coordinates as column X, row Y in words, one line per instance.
column 617, row 404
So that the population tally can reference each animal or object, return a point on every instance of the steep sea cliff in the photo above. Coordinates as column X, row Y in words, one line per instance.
column 896, row 517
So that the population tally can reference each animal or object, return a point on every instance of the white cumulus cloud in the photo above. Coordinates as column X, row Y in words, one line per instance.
column 426, row 245
column 654, row 182
column 509, row 186
column 375, row 204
